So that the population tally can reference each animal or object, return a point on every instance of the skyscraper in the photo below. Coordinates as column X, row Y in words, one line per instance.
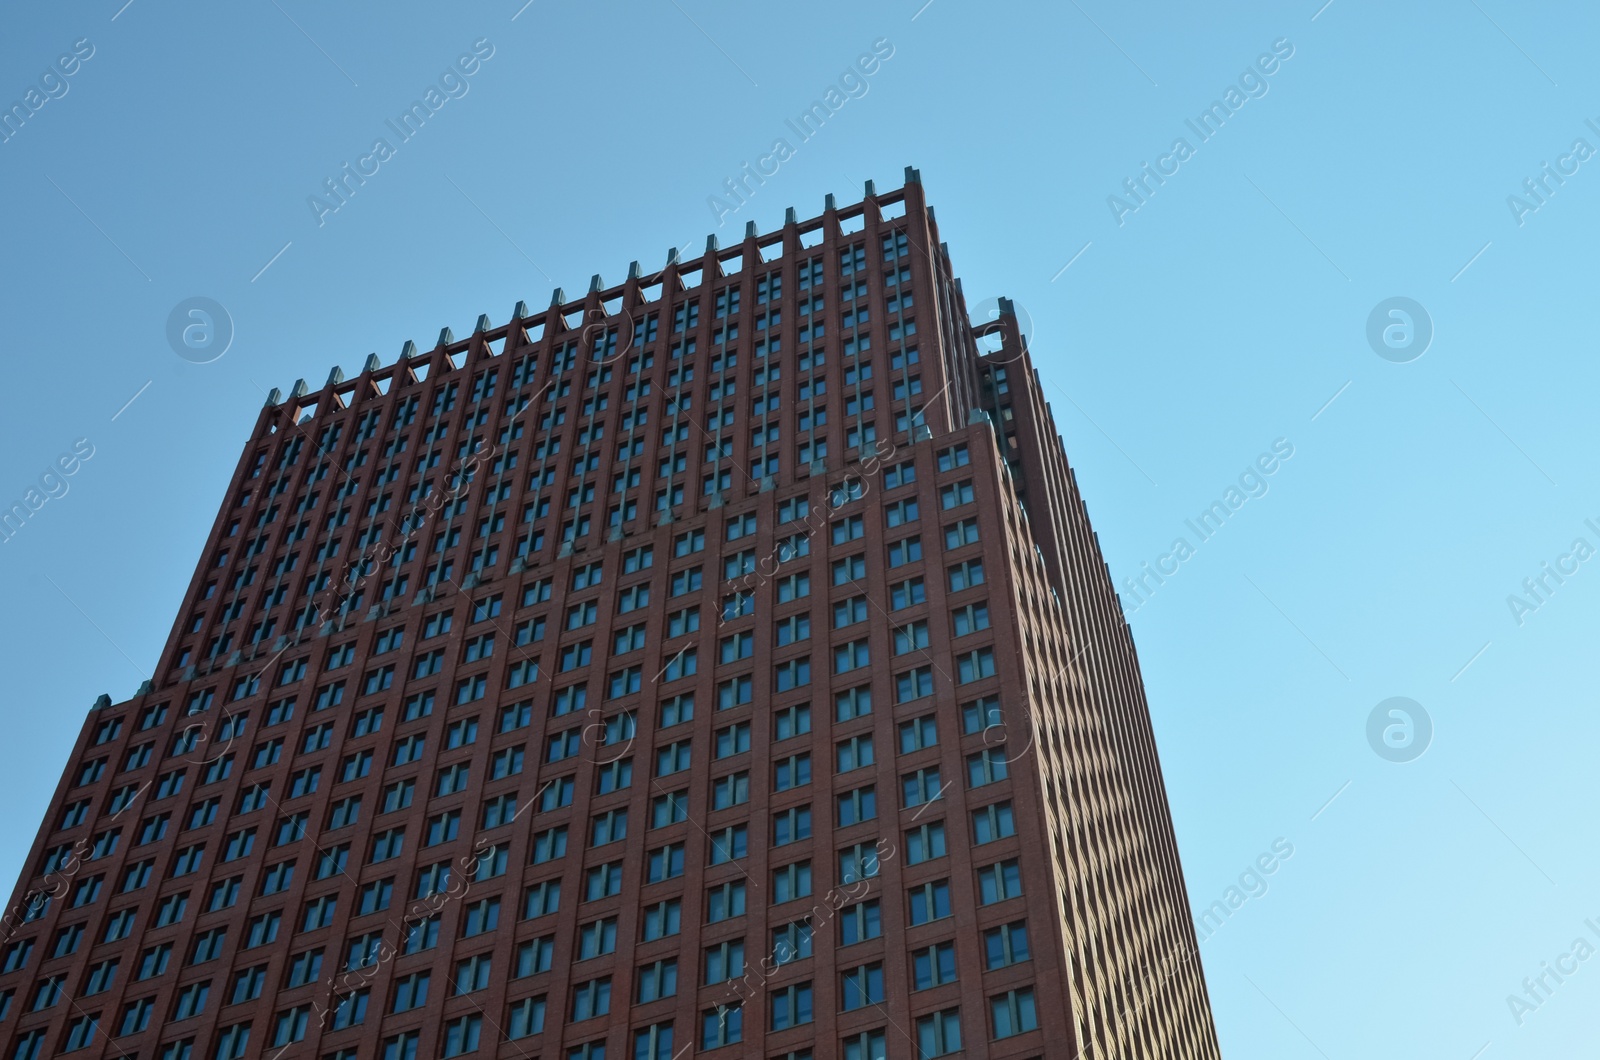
column 720, row 663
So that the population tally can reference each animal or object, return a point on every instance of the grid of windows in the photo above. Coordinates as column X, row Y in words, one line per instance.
column 516, row 641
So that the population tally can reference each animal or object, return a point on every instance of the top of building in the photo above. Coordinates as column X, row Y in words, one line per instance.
column 602, row 301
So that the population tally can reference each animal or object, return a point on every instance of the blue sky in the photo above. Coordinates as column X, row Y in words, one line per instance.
column 1180, row 341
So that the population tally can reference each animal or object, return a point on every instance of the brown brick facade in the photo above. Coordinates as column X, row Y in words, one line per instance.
column 718, row 663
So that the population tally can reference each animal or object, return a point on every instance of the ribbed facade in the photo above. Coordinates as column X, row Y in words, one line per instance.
column 719, row 663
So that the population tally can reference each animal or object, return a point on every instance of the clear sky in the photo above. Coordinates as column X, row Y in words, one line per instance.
column 1367, row 152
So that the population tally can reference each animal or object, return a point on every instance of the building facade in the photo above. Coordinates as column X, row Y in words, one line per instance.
column 720, row 663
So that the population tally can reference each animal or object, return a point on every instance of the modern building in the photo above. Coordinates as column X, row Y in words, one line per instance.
column 719, row 663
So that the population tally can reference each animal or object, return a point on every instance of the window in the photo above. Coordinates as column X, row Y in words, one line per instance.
column 791, row 772
column 541, row 899
column 247, row 984
column 790, row 882
column 461, row 733
column 410, row 992
column 980, row 714
column 854, row 753
column 472, row 974
column 929, row 902
column 939, row 1034
column 920, row 787
column 1014, row 1013
column 906, row 551
column 851, row 655
column 791, row 721
column 663, row 863
column 81, row 1033
column 606, row 880
column 526, row 1018
column 481, row 916
column 401, row 1047
column 791, row 1006
column 319, row 913
column 860, row 922
column 925, row 843
column 677, row 710
column 723, row 1025
column 862, row 986
column 67, row 940
column 907, row 594
column 975, row 665
column 663, row 919
column 172, row 907
column 397, row 796
column 998, row 882
column 853, row 703
column 673, row 758
column 658, row 980
column 153, row 961
column 343, row 813
column 791, row 825
column 961, row 533
column 1005, row 945
column 849, row 612
column 507, row 761
column 119, row 924
column 793, row 587
column 732, row 740
column 591, row 999
column 734, row 692
column 350, row 1010
column 355, row 766
column 934, row 966
column 966, row 575
column 993, row 822
column 791, row 942
column 681, row 623
column 535, row 956
column 192, row 1000
column 913, row 636
column 207, row 946
column 443, row 827
column 736, row 646
column 669, row 809
column 986, row 767
column 856, row 806
column 795, row 673
column 725, row 902
column 918, row 733
column 730, row 790
column 452, row 778
column 729, row 844
column 609, row 827
column 597, row 938
column 724, row 961
column 262, row 930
